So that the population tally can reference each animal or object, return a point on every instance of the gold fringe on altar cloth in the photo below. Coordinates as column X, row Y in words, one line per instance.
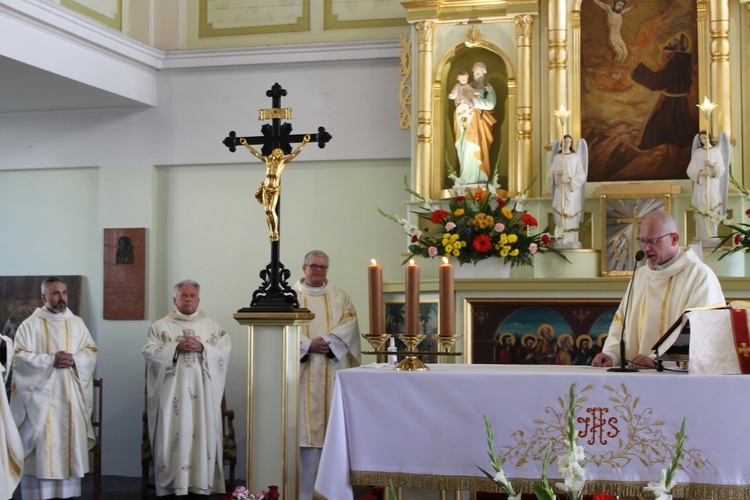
column 475, row 483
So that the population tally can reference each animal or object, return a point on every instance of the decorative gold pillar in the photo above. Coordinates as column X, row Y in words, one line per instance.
column 557, row 59
column 721, row 81
column 703, row 59
column 521, row 175
column 424, row 183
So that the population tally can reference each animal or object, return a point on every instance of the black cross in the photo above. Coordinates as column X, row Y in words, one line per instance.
column 275, row 294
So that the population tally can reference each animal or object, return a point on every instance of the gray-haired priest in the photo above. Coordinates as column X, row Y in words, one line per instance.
column 187, row 356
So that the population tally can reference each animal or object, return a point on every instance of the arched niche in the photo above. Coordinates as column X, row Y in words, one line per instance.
column 500, row 75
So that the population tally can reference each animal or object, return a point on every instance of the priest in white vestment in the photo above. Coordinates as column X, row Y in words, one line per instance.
column 52, row 396
column 187, row 357
column 673, row 280
column 11, row 449
column 328, row 344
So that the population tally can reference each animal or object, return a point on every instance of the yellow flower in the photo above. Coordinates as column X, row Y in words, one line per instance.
column 456, row 253
column 454, row 237
column 512, row 238
column 514, row 252
column 448, row 248
column 504, row 251
column 459, row 212
column 503, row 239
column 507, row 213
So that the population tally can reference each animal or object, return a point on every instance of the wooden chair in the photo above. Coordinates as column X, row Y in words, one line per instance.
column 96, row 423
column 229, row 441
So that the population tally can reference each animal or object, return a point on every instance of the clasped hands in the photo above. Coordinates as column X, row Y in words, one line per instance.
column 640, row 361
column 64, row 360
column 319, row 346
column 189, row 344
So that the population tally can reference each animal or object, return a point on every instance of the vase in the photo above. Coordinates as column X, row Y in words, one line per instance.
column 492, row 268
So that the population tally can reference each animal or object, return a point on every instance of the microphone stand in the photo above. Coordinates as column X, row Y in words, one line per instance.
column 623, row 368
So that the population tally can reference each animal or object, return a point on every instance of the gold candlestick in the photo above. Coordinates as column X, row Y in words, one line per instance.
column 446, row 341
column 411, row 362
column 377, row 341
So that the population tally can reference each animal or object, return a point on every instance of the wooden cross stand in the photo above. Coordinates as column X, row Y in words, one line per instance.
column 274, row 294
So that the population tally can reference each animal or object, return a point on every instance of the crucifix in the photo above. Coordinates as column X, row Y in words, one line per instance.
column 275, row 294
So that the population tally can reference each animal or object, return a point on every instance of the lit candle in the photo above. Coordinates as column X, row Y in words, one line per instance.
column 412, row 299
column 377, row 307
column 447, row 300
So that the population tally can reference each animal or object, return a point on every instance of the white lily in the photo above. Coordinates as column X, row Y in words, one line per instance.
column 519, row 202
column 494, row 184
column 500, row 478
column 660, row 488
column 559, row 233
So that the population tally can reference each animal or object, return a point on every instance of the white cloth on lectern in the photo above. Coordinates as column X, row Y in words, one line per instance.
column 658, row 298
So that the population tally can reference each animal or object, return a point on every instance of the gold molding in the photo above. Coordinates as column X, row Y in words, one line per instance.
column 404, row 85
column 115, row 22
column 454, row 10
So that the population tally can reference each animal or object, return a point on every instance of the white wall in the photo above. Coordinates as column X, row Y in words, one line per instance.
column 66, row 176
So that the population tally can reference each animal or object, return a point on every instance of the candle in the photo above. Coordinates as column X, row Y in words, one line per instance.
column 377, row 307
column 412, row 299
column 447, row 322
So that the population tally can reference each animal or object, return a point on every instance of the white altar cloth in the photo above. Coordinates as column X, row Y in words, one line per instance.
column 425, row 429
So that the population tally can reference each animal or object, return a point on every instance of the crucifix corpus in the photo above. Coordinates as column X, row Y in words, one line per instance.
column 275, row 294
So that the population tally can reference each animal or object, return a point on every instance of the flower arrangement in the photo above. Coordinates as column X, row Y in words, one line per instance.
column 739, row 237
column 476, row 225
column 570, row 466
column 242, row 493
column 664, row 486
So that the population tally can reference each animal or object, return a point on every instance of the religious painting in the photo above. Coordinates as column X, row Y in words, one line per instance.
column 538, row 331
column 125, row 273
column 21, row 295
column 621, row 218
column 639, row 87
column 395, row 315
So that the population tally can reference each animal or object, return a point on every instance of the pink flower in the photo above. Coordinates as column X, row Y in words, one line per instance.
column 432, row 251
column 499, row 227
column 450, row 225
column 533, row 248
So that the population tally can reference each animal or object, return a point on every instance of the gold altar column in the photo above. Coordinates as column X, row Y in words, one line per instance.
column 422, row 182
column 557, row 59
column 520, row 177
column 272, row 399
column 721, row 81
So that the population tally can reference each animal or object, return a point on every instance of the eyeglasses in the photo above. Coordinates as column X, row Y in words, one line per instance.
column 652, row 241
column 316, row 267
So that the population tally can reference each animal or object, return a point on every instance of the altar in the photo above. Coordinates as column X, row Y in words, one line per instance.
column 426, row 430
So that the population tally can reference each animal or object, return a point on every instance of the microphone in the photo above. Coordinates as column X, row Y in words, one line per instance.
column 640, row 254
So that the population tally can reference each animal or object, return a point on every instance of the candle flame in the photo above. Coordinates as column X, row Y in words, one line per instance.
column 374, row 262
column 445, row 260
column 411, row 262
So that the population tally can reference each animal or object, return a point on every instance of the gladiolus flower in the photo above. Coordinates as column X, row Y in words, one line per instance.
column 438, row 215
column 482, row 243
column 432, row 251
column 533, row 248
column 529, row 220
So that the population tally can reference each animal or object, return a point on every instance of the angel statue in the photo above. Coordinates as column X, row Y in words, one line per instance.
column 567, row 179
column 709, row 171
